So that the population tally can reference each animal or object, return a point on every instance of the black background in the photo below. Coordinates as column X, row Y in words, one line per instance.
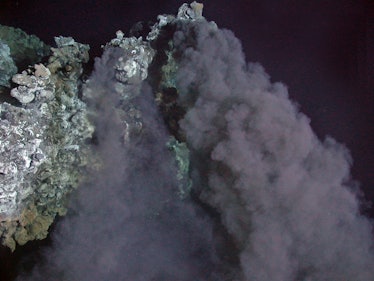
column 322, row 50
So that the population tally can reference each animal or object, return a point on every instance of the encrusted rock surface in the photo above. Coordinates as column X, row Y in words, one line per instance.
column 7, row 65
column 44, row 141
column 132, row 66
column 134, row 55
column 42, row 144
column 182, row 157
column 18, row 50
column 24, row 49
column 36, row 85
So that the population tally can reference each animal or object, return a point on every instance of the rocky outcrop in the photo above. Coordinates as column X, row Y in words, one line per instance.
column 42, row 144
column 46, row 138
column 24, row 49
column 7, row 65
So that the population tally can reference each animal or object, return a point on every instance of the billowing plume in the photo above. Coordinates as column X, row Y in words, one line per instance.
column 128, row 222
column 284, row 198
column 282, row 194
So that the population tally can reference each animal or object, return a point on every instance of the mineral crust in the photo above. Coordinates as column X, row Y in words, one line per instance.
column 46, row 140
column 42, row 144
column 7, row 65
column 24, row 49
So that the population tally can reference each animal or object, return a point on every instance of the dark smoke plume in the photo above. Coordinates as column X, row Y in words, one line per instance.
column 128, row 222
column 285, row 197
